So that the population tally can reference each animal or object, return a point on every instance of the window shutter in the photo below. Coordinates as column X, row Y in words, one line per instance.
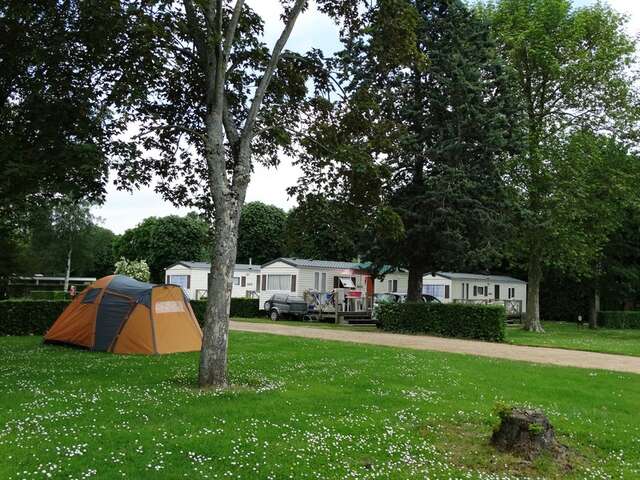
column 264, row 282
column 188, row 282
column 243, row 281
column 395, row 286
column 475, row 290
column 336, row 282
column 293, row 283
column 168, row 279
column 446, row 291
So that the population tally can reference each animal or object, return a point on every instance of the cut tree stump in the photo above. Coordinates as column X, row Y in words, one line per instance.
column 526, row 433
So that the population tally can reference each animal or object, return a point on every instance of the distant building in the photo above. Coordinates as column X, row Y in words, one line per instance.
column 193, row 277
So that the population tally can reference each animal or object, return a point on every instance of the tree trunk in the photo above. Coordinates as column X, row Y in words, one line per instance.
column 414, row 288
column 594, row 305
column 213, row 357
column 68, row 273
column 532, row 318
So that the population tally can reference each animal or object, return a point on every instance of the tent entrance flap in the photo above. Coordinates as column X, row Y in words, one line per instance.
column 113, row 311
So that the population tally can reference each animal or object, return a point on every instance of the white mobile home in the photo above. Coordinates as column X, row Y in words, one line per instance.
column 299, row 276
column 396, row 281
column 194, row 278
column 475, row 288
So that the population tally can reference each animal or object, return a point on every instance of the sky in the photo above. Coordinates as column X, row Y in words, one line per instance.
column 123, row 210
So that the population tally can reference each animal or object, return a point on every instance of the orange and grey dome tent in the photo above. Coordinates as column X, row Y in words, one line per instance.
column 121, row 315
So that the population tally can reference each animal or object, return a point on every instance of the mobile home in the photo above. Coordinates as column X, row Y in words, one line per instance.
column 299, row 276
column 476, row 288
column 194, row 276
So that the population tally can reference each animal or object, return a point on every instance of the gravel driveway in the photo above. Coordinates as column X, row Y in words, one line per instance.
column 544, row 355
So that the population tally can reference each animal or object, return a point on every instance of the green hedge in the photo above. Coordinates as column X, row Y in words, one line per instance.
column 48, row 295
column 29, row 317
column 34, row 317
column 619, row 319
column 481, row 322
column 240, row 307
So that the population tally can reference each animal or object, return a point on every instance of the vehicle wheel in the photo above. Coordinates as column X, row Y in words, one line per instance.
column 274, row 315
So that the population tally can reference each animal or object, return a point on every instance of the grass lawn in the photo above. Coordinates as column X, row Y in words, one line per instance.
column 301, row 409
column 557, row 334
column 568, row 335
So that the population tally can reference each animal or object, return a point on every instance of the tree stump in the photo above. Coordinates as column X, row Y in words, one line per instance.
column 525, row 432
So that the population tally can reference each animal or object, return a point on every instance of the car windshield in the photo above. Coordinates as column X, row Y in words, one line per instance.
column 385, row 298
column 294, row 299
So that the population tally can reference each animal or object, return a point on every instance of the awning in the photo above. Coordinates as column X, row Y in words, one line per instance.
column 347, row 282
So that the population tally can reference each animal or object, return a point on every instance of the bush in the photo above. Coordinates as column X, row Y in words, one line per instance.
column 482, row 322
column 619, row 319
column 48, row 295
column 29, row 317
column 34, row 317
column 240, row 307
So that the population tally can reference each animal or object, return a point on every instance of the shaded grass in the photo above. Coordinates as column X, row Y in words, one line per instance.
column 569, row 336
column 309, row 409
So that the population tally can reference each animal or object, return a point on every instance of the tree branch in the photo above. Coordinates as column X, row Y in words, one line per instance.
column 230, row 33
column 247, row 131
column 181, row 128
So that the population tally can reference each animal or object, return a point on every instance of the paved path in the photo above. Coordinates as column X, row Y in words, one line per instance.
column 552, row 356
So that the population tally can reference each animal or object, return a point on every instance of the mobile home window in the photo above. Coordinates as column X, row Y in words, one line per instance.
column 324, row 283
column 437, row 291
column 236, row 280
column 180, row 280
column 393, row 286
column 316, row 281
column 279, row 282
column 243, row 281
column 475, row 290
column 446, row 291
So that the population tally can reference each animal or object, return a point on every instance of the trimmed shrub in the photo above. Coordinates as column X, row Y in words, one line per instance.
column 240, row 307
column 34, row 317
column 29, row 317
column 482, row 322
column 627, row 319
column 48, row 295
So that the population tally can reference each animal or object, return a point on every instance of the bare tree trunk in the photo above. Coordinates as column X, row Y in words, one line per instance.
column 68, row 274
column 414, row 288
column 594, row 305
column 532, row 319
column 213, row 358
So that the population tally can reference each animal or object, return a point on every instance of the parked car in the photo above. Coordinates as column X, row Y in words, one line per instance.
column 283, row 305
column 425, row 298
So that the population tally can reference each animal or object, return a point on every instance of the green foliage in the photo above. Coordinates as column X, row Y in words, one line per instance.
column 412, row 152
column 322, row 228
column 58, row 125
column 48, row 295
column 261, row 233
column 163, row 241
column 137, row 269
column 571, row 65
column 622, row 319
column 448, row 320
column 29, row 317
column 240, row 307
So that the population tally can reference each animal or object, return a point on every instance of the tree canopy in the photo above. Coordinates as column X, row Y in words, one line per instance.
column 261, row 233
column 162, row 241
column 571, row 65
